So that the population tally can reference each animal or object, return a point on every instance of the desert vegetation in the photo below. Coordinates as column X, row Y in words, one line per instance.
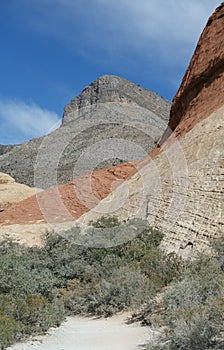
column 191, row 311
column 40, row 286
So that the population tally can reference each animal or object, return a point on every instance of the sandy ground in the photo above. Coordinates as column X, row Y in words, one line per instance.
column 79, row 333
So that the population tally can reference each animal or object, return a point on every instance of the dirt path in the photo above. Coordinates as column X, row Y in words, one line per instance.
column 79, row 333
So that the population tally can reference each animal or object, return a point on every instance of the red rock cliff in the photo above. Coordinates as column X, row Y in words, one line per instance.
column 202, row 89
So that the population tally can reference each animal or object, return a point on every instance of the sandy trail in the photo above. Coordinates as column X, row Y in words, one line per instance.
column 79, row 333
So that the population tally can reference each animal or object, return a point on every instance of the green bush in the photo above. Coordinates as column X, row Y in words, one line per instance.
column 37, row 314
column 34, row 313
column 198, row 327
column 218, row 247
column 9, row 331
column 24, row 271
column 105, row 222
column 124, row 289
column 194, row 309
column 160, row 268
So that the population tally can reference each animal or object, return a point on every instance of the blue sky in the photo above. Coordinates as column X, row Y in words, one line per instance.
column 52, row 49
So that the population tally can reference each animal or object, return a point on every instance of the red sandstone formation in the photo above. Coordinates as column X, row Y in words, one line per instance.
column 201, row 93
column 70, row 201
column 202, row 89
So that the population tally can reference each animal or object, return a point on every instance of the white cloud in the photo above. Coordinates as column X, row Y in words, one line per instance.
column 163, row 33
column 29, row 119
column 116, row 24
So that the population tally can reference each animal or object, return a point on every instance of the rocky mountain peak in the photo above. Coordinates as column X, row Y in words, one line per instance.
column 110, row 88
column 109, row 108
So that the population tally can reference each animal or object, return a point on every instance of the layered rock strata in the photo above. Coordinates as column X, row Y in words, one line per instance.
column 180, row 192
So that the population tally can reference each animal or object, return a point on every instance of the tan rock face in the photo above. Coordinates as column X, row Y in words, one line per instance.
column 202, row 88
column 180, row 191
column 6, row 179
column 12, row 192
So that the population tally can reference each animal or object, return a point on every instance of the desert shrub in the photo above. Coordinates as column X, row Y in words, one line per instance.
column 27, row 291
column 112, row 279
column 37, row 314
column 9, row 331
column 67, row 260
column 34, row 313
column 194, row 309
column 218, row 247
column 124, row 289
column 160, row 268
column 105, row 222
column 207, row 272
column 144, row 243
column 197, row 328
column 24, row 271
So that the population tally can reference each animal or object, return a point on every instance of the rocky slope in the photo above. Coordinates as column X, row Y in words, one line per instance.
column 12, row 192
column 5, row 148
column 110, row 115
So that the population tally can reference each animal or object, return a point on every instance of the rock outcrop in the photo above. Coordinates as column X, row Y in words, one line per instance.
column 12, row 192
column 109, row 115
